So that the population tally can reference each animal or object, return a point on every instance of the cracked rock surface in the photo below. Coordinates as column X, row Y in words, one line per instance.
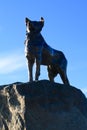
column 42, row 105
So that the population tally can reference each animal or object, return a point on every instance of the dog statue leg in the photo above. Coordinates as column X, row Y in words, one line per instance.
column 37, row 74
column 50, row 73
column 38, row 62
column 30, row 76
column 30, row 69
column 64, row 77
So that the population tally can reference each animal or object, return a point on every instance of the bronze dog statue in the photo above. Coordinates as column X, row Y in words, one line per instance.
column 37, row 50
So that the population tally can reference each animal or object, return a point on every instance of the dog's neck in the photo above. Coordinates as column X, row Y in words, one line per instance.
column 32, row 35
column 34, row 38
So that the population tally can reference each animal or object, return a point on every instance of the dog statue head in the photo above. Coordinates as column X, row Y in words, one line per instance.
column 34, row 26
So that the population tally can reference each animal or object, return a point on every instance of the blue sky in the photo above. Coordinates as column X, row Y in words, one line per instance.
column 65, row 29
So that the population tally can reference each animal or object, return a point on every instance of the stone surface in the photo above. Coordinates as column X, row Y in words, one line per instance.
column 42, row 105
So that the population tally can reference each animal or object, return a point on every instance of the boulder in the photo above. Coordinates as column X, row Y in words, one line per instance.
column 42, row 105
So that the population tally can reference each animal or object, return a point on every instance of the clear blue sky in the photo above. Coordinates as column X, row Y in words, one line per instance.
column 65, row 29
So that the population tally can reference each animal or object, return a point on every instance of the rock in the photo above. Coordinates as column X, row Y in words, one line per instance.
column 12, row 107
column 42, row 105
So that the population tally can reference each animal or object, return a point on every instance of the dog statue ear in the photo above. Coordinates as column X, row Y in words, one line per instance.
column 27, row 20
column 42, row 19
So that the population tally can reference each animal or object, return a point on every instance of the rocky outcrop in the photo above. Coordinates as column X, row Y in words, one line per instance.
column 42, row 105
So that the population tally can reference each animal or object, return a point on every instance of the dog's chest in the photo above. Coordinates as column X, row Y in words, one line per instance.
column 34, row 49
